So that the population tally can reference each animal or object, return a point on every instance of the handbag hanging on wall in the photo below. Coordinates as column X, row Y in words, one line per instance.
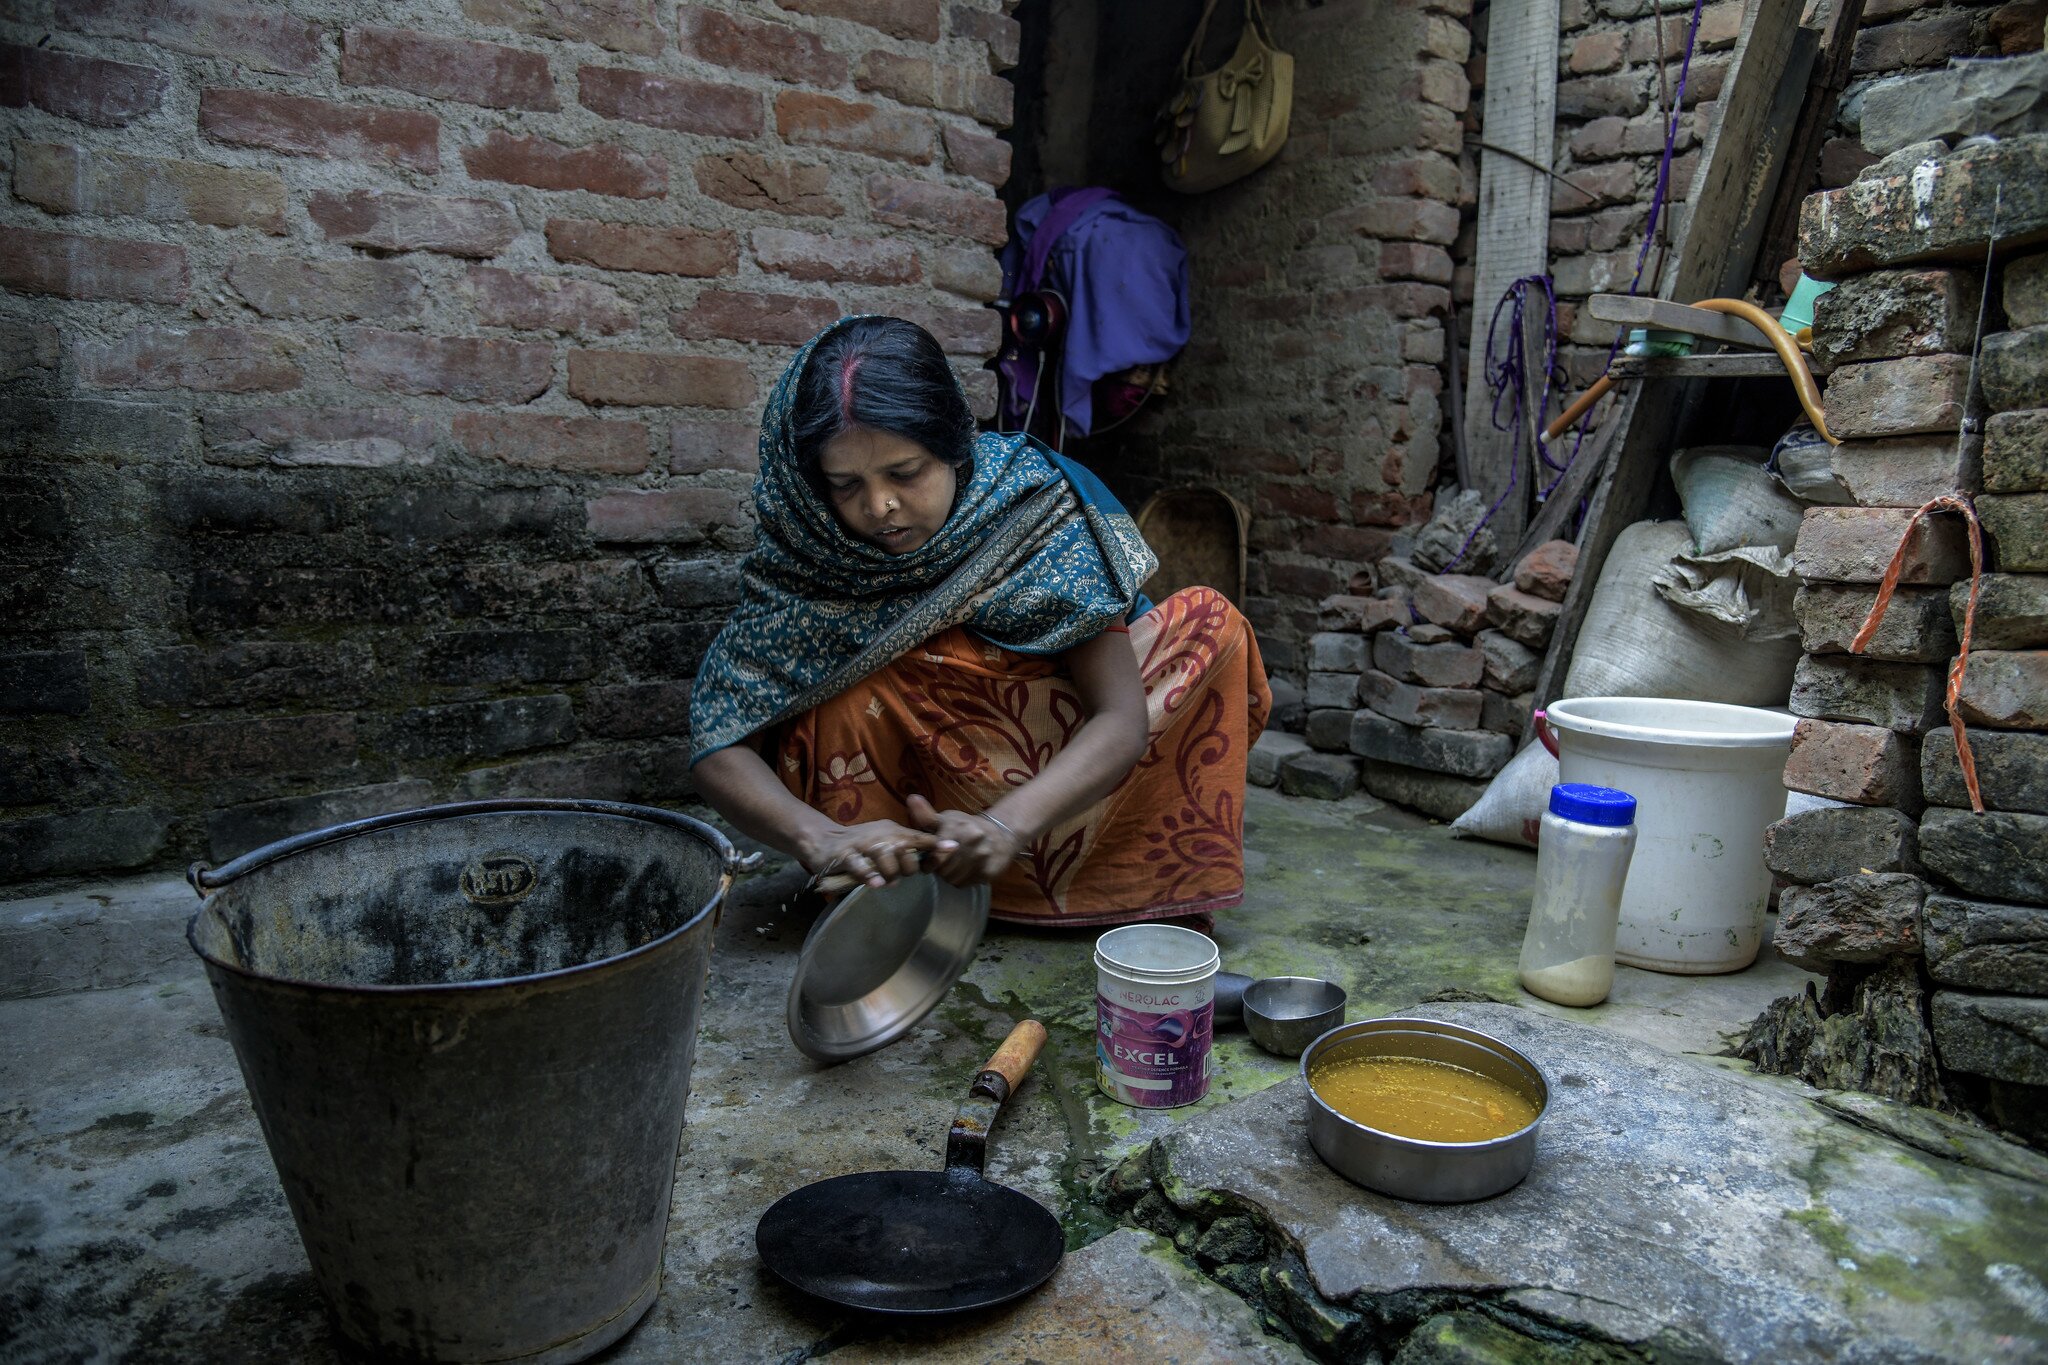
column 1224, row 124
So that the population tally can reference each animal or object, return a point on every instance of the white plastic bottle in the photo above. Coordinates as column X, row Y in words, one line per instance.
column 1582, row 857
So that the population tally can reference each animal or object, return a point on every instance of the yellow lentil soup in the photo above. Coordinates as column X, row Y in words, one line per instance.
column 1414, row 1098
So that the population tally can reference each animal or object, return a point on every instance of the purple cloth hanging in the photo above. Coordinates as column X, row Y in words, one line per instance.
column 1125, row 278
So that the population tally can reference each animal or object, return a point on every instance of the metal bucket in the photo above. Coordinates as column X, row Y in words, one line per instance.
column 467, row 1031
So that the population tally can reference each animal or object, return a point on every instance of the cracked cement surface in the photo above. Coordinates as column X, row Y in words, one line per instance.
column 143, row 1220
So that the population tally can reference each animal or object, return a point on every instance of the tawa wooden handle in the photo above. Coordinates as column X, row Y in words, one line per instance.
column 1014, row 1058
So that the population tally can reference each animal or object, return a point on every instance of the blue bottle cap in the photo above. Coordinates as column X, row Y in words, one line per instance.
column 1591, row 805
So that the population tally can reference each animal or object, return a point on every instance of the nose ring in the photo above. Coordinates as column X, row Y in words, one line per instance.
column 892, row 504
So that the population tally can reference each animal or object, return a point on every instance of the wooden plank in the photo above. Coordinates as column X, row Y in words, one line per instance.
column 1724, row 365
column 1809, row 132
column 1730, row 189
column 1514, row 231
column 1555, row 512
column 1638, row 311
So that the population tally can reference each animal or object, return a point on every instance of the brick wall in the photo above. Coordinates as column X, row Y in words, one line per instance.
column 381, row 380
column 1320, row 283
column 1610, row 135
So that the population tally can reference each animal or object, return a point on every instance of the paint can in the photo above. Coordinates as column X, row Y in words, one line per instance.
column 1155, row 989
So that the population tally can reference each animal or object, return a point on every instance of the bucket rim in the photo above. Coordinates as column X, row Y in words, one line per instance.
column 205, row 879
column 1561, row 716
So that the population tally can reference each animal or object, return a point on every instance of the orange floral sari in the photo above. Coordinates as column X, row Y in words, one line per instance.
column 959, row 720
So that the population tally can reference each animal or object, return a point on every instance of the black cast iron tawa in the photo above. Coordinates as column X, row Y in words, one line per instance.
column 922, row 1242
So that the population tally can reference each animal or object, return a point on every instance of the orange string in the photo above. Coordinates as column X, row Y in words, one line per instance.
column 1947, row 502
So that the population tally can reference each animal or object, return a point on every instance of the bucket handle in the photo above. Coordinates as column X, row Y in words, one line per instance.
column 1545, row 733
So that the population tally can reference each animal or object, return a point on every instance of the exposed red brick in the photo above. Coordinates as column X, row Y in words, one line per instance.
column 778, row 319
column 1864, row 764
column 675, row 102
column 917, row 19
column 695, row 447
column 1926, row 40
column 968, row 271
column 1407, row 300
column 447, row 68
column 601, row 168
column 2017, row 27
column 1296, row 500
column 630, row 378
column 977, row 154
column 261, row 36
column 304, row 126
column 1442, row 84
column 805, row 118
column 367, row 438
column 665, row 516
column 748, row 180
column 768, row 49
column 531, row 440
column 921, row 81
column 635, row 246
column 1414, row 261
column 959, row 331
column 548, row 303
column 620, row 25
column 292, row 287
column 939, row 208
column 66, row 179
column 207, row 359
column 1002, row 34
column 1411, row 220
column 389, row 220
column 74, row 267
column 1430, row 177
column 474, row 368
column 1597, row 52
column 88, row 89
column 806, row 256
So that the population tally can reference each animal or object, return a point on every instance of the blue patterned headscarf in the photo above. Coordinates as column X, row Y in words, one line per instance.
column 1037, row 556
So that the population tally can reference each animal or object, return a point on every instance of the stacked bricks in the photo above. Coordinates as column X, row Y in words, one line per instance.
column 1312, row 391
column 1421, row 692
column 380, row 391
column 1904, row 868
column 1609, row 136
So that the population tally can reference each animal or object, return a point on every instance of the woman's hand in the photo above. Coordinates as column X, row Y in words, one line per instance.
column 969, row 848
column 877, row 852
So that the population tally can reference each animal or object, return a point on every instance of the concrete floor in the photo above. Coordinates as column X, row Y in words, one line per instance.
column 143, row 1219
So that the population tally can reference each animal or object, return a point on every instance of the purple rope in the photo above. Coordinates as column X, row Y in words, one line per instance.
column 1507, row 378
column 1649, row 231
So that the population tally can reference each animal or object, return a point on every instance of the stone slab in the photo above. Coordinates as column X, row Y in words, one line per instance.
column 115, row 934
column 2004, row 1037
column 1461, row 753
column 1891, row 313
column 1916, row 626
column 1332, row 651
column 1319, row 776
column 1451, row 708
column 2016, row 524
column 1440, row 796
column 1898, row 397
column 1328, row 690
column 1329, row 729
column 1442, row 664
column 1455, row 601
column 1674, row 1210
column 1867, row 917
column 2025, row 290
column 1866, row 765
column 2003, row 97
column 1269, row 751
column 1908, row 471
column 1939, row 212
column 2012, row 769
column 1856, row 545
column 2014, row 369
column 2016, row 452
column 2012, row 611
column 1999, row 854
column 2005, row 688
column 1511, row 666
column 1815, row 846
column 1986, row 945
column 1902, row 697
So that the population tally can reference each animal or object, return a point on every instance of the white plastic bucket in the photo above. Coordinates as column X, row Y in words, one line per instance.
column 1707, row 779
column 1155, row 1006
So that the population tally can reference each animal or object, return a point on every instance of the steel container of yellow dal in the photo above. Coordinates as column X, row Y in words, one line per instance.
column 1414, row 1168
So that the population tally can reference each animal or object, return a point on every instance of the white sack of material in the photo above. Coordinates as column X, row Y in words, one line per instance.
column 1510, row 809
column 1731, row 500
column 1748, row 589
column 1636, row 643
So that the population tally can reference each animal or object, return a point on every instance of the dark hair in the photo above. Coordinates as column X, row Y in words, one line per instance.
column 887, row 374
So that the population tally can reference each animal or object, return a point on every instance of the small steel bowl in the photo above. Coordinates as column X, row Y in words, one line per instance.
column 1284, row 1014
column 1410, row 1168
